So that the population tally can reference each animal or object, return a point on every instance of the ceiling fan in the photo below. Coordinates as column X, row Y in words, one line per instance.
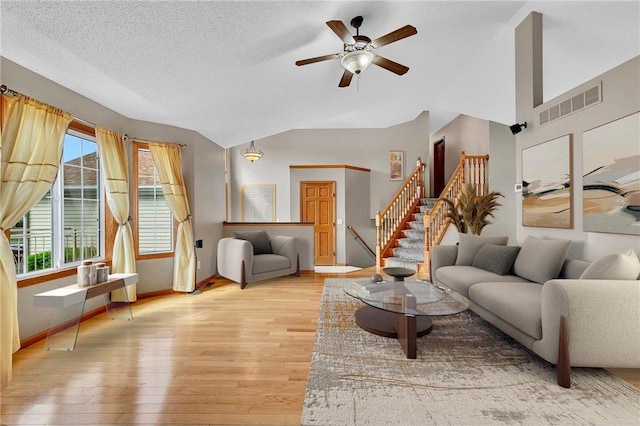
column 357, row 54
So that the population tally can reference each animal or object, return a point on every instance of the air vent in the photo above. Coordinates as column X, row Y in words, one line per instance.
column 567, row 107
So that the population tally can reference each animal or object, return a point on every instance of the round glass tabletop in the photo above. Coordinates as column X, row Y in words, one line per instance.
column 411, row 297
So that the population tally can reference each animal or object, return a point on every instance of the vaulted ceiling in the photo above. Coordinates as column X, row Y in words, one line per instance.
column 226, row 69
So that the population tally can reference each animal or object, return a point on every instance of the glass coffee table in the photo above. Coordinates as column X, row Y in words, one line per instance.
column 402, row 309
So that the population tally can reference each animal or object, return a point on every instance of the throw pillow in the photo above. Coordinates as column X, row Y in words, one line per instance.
column 541, row 260
column 258, row 239
column 470, row 244
column 618, row 266
column 495, row 258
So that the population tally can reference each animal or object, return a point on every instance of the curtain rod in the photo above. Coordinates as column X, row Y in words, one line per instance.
column 4, row 89
column 133, row 138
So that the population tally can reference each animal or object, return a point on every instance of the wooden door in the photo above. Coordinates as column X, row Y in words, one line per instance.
column 318, row 205
column 438, row 168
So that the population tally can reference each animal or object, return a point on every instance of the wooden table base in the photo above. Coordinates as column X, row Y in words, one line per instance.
column 405, row 328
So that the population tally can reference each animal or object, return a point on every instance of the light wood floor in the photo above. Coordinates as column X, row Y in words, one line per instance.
column 226, row 356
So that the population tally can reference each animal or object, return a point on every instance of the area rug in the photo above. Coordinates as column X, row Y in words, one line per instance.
column 335, row 269
column 467, row 373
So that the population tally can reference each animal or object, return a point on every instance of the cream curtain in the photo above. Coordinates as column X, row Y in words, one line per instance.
column 31, row 142
column 168, row 161
column 113, row 158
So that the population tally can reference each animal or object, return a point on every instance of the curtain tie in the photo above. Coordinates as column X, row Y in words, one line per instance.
column 186, row 219
column 129, row 219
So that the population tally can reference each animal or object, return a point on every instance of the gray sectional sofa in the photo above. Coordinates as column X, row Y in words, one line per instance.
column 568, row 312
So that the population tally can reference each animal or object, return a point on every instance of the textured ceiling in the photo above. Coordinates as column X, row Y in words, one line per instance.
column 226, row 69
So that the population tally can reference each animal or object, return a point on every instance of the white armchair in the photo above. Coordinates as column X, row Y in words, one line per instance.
column 237, row 261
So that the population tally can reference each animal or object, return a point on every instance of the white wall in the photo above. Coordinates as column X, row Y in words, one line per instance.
column 203, row 169
column 620, row 97
column 463, row 133
column 502, row 177
column 367, row 148
column 480, row 137
column 358, row 191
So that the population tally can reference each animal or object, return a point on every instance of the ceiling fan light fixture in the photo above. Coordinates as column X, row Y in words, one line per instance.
column 252, row 154
column 357, row 61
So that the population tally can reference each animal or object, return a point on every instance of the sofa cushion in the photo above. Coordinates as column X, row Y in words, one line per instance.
column 258, row 239
column 470, row 244
column 617, row 266
column 460, row 278
column 269, row 262
column 495, row 258
column 517, row 303
column 541, row 260
column 573, row 268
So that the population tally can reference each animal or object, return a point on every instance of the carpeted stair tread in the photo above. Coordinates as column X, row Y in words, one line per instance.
column 409, row 254
column 419, row 226
column 414, row 234
column 411, row 243
column 395, row 262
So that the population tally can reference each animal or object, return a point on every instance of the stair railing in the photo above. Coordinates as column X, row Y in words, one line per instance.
column 471, row 169
column 390, row 221
column 360, row 240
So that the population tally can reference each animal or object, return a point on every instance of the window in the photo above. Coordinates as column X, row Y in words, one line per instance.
column 154, row 225
column 65, row 227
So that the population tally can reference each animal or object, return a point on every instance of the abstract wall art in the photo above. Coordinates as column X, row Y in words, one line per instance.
column 546, row 184
column 611, row 177
column 396, row 165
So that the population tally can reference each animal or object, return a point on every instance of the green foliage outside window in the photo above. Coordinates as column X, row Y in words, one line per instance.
column 42, row 260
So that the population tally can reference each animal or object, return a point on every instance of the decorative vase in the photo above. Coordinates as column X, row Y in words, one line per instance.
column 102, row 272
column 87, row 273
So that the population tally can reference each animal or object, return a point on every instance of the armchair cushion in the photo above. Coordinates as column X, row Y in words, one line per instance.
column 258, row 239
column 269, row 262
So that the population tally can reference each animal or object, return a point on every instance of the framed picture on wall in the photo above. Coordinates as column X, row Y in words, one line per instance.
column 396, row 165
column 258, row 203
column 547, row 194
column 611, row 181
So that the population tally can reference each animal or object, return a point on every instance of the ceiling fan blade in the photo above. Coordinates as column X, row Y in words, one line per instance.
column 396, row 35
column 341, row 31
column 346, row 78
column 389, row 65
column 317, row 59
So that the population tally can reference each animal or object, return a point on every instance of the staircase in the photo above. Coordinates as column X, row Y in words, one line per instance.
column 410, row 225
column 409, row 250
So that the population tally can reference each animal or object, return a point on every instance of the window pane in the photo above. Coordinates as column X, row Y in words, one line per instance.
column 81, row 201
column 65, row 226
column 155, row 221
column 90, row 184
column 32, row 238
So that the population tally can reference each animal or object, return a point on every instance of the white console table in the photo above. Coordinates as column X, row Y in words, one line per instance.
column 68, row 304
